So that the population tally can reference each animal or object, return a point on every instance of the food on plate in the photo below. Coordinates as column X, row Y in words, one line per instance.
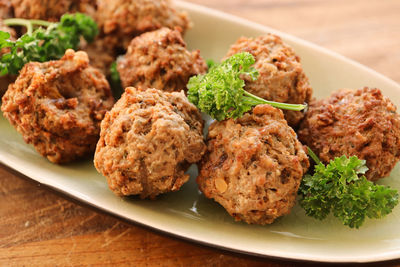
column 5, row 28
column 125, row 19
column 281, row 78
column 147, row 142
column 6, row 79
column 341, row 188
column 58, row 105
column 220, row 93
column 6, row 10
column 44, row 44
column 159, row 59
column 360, row 122
column 51, row 10
column 101, row 52
column 253, row 165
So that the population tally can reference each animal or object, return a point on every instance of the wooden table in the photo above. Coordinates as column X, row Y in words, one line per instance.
column 41, row 227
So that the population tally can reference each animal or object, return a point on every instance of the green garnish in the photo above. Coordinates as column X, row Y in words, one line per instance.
column 210, row 63
column 220, row 92
column 115, row 81
column 341, row 187
column 48, row 42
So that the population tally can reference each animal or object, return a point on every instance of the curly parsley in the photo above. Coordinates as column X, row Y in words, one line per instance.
column 341, row 188
column 220, row 92
column 48, row 42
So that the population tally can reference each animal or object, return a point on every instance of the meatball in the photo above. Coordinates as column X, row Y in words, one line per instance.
column 6, row 10
column 126, row 19
column 58, row 105
column 159, row 59
column 281, row 79
column 51, row 10
column 101, row 52
column 6, row 79
column 360, row 122
column 147, row 142
column 253, row 165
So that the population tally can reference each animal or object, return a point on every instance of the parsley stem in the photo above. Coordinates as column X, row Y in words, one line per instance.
column 26, row 23
column 41, row 22
column 296, row 107
column 313, row 155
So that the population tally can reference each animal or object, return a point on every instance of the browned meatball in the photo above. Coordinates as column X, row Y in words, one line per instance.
column 6, row 10
column 281, row 79
column 51, row 10
column 102, row 52
column 6, row 79
column 126, row 19
column 253, row 165
column 159, row 59
column 147, row 142
column 58, row 105
column 355, row 122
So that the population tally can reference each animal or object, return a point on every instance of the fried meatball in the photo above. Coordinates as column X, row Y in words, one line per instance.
column 126, row 19
column 360, row 122
column 147, row 142
column 58, row 105
column 6, row 10
column 281, row 79
column 253, row 165
column 51, row 10
column 6, row 79
column 102, row 52
column 159, row 59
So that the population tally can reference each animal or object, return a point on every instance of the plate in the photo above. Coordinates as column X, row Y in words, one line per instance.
column 187, row 214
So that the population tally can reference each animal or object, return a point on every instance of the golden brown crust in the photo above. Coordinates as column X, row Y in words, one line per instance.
column 102, row 52
column 6, row 10
column 51, row 10
column 253, row 165
column 58, row 105
column 147, row 142
column 160, row 60
column 281, row 79
column 126, row 19
column 355, row 122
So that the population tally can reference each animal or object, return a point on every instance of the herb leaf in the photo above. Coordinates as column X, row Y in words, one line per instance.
column 44, row 44
column 341, row 187
column 220, row 92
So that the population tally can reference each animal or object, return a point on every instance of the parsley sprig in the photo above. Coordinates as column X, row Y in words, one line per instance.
column 220, row 92
column 48, row 42
column 341, row 188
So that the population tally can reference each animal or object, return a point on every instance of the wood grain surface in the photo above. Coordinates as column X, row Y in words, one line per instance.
column 39, row 227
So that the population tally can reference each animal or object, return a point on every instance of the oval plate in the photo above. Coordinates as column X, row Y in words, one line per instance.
column 187, row 214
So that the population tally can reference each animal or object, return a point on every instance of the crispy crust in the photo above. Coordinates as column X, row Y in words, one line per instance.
column 253, row 165
column 159, row 59
column 355, row 122
column 147, row 142
column 6, row 10
column 281, row 79
column 126, row 19
column 102, row 52
column 58, row 105
column 51, row 10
